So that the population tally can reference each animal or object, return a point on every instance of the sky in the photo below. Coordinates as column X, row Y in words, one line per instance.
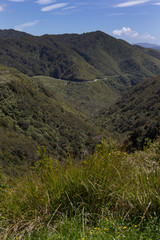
column 134, row 21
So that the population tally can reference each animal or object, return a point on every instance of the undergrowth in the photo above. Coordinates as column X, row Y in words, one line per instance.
column 111, row 193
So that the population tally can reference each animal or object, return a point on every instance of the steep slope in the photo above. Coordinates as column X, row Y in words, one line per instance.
column 88, row 96
column 137, row 113
column 43, row 56
column 31, row 116
column 111, row 56
column 150, row 51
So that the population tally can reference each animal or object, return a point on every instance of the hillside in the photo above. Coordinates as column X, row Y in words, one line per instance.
column 111, row 56
column 88, row 97
column 43, row 56
column 32, row 116
column 96, row 70
column 137, row 113
column 76, row 57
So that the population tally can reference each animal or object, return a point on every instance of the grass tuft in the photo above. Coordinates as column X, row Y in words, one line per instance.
column 111, row 194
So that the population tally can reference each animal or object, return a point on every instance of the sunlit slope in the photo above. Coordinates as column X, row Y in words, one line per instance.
column 111, row 56
column 89, row 97
column 136, row 113
column 28, row 114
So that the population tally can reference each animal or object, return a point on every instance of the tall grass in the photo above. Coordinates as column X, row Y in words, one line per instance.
column 109, row 182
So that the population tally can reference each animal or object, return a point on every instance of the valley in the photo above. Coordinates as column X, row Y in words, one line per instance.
column 63, row 92
column 79, row 136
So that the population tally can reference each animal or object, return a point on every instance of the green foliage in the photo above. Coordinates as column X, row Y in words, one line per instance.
column 136, row 114
column 75, row 57
column 43, row 55
column 31, row 116
column 88, row 97
column 106, row 228
column 111, row 56
column 109, row 183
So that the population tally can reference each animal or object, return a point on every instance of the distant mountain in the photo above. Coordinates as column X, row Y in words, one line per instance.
column 76, row 57
column 148, row 45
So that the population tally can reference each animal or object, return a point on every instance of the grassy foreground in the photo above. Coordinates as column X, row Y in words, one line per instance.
column 110, row 195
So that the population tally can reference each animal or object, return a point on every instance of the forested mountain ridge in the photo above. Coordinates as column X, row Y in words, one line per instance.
column 109, row 55
column 43, row 56
column 75, row 56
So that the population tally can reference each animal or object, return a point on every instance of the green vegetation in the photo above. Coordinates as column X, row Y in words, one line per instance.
column 43, row 56
column 111, row 56
column 31, row 116
column 75, row 57
column 111, row 194
column 136, row 114
column 81, row 88
column 87, row 97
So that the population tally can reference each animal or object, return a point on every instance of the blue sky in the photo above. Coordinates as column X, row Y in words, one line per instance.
column 132, row 20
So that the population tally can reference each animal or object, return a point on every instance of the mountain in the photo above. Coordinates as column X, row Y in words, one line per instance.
column 136, row 114
column 76, row 56
column 31, row 116
column 43, row 56
column 111, row 56
column 148, row 45
column 71, row 115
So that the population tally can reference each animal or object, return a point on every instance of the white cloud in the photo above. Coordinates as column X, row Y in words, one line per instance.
column 44, row 2
column 68, row 8
column 28, row 24
column 53, row 7
column 131, row 3
column 1, row 8
column 147, row 36
column 128, row 32
column 157, row 4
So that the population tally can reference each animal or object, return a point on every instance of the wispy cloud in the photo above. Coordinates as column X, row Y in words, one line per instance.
column 1, row 8
column 68, row 8
column 28, row 24
column 131, row 3
column 147, row 36
column 157, row 4
column 54, row 7
column 128, row 32
column 44, row 2
column 115, row 14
